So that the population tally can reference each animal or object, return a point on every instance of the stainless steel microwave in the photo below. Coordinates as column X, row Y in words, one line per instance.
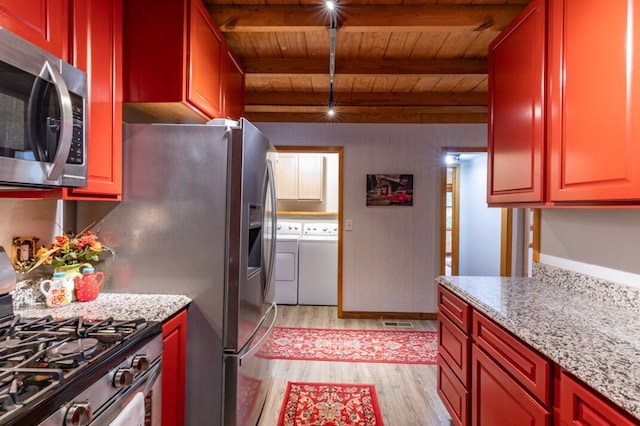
column 43, row 110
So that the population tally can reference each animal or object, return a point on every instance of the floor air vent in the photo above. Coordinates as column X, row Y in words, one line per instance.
column 397, row 324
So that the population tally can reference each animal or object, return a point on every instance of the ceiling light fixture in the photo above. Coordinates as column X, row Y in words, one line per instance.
column 332, row 52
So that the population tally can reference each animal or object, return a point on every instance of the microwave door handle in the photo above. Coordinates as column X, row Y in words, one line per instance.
column 66, row 121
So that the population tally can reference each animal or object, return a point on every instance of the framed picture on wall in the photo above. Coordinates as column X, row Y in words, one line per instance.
column 390, row 190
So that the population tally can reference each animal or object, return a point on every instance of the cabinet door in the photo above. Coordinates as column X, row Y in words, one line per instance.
column 205, row 49
column 98, row 51
column 174, row 333
column 516, row 109
column 594, row 89
column 581, row 406
column 287, row 177
column 44, row 23
column 310, row 177
column 453, row 394
column 497, row 399
column 232, row 85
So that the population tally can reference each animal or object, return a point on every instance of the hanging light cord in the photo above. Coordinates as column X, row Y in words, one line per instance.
column 332, row 55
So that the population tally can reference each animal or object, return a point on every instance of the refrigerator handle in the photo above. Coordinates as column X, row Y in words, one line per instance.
column 265, row 336
column 271, row 192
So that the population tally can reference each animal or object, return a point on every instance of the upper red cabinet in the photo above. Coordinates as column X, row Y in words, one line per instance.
column 172, row 56
column 516, row 109
column 594, row 95
column 232, row 85
column 97, row 50
column 572, row 89
column 44, row 23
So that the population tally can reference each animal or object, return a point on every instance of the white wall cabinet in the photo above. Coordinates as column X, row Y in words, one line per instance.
column 300, row 177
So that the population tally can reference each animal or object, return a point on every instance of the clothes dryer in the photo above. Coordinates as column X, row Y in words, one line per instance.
column 286, row 263
column 318, row 260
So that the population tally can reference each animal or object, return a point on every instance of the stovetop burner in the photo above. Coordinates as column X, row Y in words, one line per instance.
column 39, row 356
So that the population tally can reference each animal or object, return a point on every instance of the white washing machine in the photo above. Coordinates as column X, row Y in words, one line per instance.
column 318, row 261
column 286, row 263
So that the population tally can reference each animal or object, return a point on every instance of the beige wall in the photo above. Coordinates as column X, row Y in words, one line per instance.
column 28, row 218
column 392, row 255
column 600, row 242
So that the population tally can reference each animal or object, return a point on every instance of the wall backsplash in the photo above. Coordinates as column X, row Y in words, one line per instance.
column 29, row 218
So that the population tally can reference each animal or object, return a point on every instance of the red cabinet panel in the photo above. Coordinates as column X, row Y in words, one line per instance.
column 205, row 51
column 526, row 365
column 579, row 405
column 97, row 35
column 233, row 97
column 44, row 23
column 497, row 399
column 516, row 109
column 454, row 396
column 454, row 348
column 594, row 133
column 174, row 333
column 458, row 311
column 172, row 56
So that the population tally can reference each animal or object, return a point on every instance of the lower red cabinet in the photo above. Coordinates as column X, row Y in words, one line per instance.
column 579, row 405
column 174, row 333
column 497, row 399
column 453, row 394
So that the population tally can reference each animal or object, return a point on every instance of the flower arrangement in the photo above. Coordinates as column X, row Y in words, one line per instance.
column 70, row 251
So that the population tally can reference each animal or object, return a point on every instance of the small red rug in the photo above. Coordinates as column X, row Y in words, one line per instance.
column 321, row 344
column 326, row 404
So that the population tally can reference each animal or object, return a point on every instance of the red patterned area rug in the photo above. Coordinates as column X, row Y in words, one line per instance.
column 326, row 404
column 321, row 344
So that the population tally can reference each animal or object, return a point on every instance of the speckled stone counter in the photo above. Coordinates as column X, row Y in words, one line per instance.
column 596, row 340
column 120, row 306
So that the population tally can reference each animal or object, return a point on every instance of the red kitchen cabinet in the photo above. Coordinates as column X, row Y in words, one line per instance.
column 44, row 23
column 498, row 399
column 594, row 133
column 172, row 55
column 579, row 405
column 454, row 319
column 516, row 143
column 174, row 333
column 97, row 49
column 232, row 85
column 532, row 371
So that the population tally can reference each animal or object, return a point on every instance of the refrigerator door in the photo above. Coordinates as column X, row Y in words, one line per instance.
column 252, row 229
column 248, row 375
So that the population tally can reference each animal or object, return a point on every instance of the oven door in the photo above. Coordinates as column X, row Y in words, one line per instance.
column 137, row 405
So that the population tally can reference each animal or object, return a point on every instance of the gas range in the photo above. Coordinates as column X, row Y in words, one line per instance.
column 47, row 366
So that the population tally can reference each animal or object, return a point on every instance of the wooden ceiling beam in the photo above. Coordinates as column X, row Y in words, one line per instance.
column 398, row 118
column 369, row 98
column 364, row 18
column 385, row 110
column 320, row 66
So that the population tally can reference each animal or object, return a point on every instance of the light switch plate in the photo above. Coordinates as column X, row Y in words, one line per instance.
column 348, row 225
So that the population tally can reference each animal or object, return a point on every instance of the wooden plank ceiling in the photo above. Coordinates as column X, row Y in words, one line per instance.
column 397, row 61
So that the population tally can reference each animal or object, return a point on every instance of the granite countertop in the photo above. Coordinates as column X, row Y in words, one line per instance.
column 120, row 306
column 598, row 341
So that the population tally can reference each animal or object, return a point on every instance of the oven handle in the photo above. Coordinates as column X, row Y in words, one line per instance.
column 55, row 169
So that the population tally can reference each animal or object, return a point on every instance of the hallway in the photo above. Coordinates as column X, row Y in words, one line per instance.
column 406, row 392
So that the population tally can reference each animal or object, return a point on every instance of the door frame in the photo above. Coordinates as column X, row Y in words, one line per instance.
column 506, row 245
column 328, row 150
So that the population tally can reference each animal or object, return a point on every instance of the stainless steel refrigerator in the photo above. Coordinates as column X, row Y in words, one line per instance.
column 198, row 218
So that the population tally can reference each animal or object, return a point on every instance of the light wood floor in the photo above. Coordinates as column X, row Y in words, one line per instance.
column 406, row 392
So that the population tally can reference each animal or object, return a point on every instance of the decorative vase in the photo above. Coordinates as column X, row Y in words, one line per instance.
column 72, row 271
